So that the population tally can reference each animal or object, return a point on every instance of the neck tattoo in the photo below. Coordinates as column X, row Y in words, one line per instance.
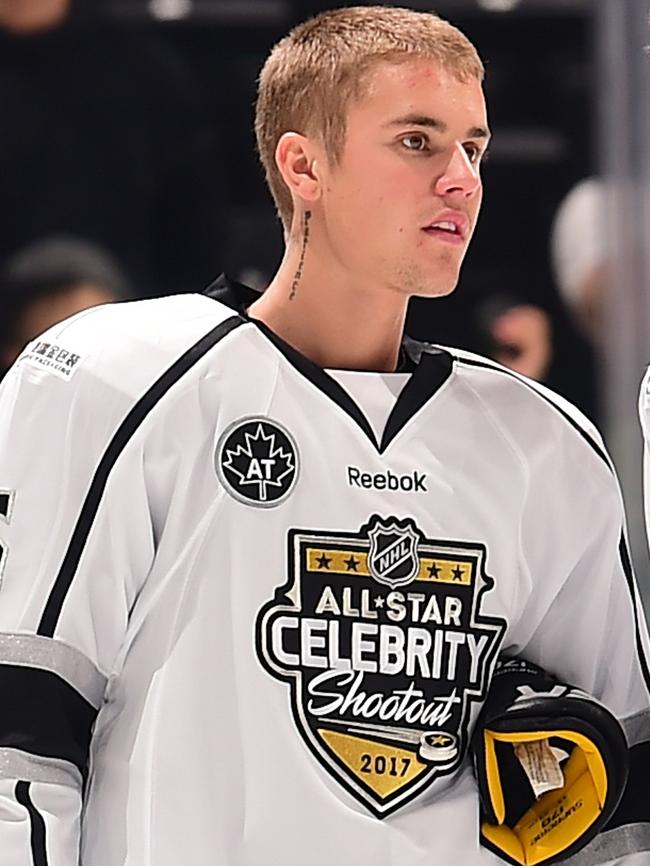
column 301, row 263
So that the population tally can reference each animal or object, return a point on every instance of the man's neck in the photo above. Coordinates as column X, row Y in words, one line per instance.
column 329, row 315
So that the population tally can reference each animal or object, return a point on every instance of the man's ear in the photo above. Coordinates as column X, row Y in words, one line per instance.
column 295, row 157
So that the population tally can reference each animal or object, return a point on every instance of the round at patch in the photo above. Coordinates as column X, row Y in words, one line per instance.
column 257, row 461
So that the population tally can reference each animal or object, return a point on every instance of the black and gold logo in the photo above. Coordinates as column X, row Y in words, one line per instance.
column 380, row 636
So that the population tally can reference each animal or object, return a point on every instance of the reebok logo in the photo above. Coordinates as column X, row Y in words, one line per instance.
column 411, row 482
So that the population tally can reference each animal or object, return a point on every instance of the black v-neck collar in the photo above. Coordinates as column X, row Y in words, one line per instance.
column 429, row 366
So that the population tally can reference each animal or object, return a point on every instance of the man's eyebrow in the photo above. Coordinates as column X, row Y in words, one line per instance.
column 434, row 123
column 419, row 120
column 479, row 132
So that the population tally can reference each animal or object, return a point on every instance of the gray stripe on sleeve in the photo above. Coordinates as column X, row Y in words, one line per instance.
column 613, row 844
column 637, row 728
column 36, row 651
column 16, row 764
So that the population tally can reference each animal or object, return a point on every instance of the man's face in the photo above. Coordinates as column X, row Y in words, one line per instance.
column 401, row 205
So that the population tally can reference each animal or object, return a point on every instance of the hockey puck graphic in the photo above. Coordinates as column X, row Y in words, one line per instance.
column 438, row 746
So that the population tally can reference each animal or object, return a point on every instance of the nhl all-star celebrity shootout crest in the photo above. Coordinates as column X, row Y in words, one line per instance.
column 380, row 636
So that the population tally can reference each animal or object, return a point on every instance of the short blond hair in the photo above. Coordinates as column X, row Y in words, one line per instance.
column 312, row 75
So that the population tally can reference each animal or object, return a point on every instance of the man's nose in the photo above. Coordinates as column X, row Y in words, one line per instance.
column 459, row 176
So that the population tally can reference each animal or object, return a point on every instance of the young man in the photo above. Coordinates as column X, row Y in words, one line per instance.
column 260, row 553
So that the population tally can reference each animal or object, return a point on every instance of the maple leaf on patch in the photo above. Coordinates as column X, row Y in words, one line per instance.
column 260, row 461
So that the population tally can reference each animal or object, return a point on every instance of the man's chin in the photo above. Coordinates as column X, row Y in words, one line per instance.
column 426, row 282
column 436, row 289
column 438, row 280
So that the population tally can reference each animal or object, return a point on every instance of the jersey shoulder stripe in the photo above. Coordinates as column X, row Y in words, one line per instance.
column 125, row 431
column 571, row 414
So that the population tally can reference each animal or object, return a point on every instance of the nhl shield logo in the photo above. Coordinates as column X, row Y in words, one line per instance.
column 393, row 558
column 257, row 462
column 382, row 676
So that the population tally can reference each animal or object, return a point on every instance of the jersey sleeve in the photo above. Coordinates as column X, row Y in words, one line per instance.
column 644, row 417
column 76, row 542
column 583, row 618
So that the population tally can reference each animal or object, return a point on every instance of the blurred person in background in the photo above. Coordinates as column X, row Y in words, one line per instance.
column 49, row 281
column 517, row 335
column 579, row 254
column 104, row 137
column 487, row 319
column 537, row 333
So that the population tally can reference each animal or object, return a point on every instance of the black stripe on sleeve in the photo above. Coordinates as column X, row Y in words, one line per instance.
column 629, row 577
column 43, row 715
column 39, row 851
column 120, row 440
column 634, row 807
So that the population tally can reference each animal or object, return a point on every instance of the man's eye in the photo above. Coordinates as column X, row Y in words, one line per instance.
column 473, row 152
column 415, row 142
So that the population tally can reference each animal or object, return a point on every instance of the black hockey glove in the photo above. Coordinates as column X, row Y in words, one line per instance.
column 551, row 764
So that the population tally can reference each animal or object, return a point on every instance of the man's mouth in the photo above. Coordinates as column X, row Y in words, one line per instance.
column 452, row 228
column 445, row 232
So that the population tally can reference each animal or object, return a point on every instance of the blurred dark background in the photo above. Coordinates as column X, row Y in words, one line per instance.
column 131, row 126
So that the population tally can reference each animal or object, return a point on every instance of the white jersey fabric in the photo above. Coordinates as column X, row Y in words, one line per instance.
column 268, row 630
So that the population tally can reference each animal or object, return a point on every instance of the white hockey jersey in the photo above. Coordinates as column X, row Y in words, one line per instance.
column 239, row 628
